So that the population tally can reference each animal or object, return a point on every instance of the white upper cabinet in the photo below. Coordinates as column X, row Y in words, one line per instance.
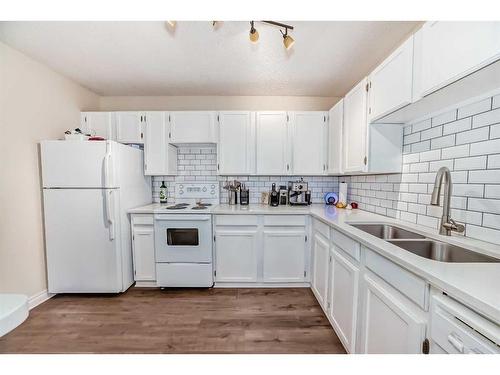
column 160, row 157
column 236, row 146
column 100, row 124
column 272, row 143
column 129, row 127
column 193, row 127
column 355, row 128
column 449, row 51
column 335, row 125
column 390, row 84
column 309, row 143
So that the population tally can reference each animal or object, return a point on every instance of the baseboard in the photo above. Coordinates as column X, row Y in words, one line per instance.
column 39, row 298
column 146, row 284
column 261, row 285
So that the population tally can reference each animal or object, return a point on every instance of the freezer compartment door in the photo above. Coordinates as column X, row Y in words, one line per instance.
column 82, row 235
column 78, row 164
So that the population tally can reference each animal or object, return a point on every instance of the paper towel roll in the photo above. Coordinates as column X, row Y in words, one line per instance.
column 343, row 192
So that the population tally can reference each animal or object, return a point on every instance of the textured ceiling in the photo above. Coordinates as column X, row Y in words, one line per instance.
column 146, row 58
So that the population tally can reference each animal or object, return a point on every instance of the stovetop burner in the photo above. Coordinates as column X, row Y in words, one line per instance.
column 179, row 206
column 199, row 207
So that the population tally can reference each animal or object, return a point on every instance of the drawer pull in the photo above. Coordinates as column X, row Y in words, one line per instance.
column 456, row 342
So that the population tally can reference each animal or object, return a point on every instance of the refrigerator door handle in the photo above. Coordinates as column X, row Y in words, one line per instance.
column 110, row 213
column 107, row 166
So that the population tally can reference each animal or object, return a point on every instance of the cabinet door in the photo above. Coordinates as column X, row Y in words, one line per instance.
column 355, row 128
column 129, row 127
column 272, row 144
column 144, row 253
column 320, row 268
column 335, row 126
column 284, row 255
column 390, row 325
column 236, row 255
column 391, row 83
column 160, row 158
column 343, row 298
column 98, row 124
column 308, row 143
column 452, row 50
column 236, row 147
column 192, row 127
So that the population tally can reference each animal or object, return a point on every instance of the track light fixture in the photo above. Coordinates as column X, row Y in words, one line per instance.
column 254, row 34
column 172, row 24
column 288, row 41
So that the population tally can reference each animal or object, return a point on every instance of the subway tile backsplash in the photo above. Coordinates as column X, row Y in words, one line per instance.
column 198, row 163
column 466, row 140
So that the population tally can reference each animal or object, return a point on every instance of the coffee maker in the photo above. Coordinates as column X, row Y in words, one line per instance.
column 298, row 193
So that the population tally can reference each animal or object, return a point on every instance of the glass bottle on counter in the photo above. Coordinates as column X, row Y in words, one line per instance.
column 163, row 192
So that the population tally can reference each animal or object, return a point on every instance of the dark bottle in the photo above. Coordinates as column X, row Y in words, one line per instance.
column 163, row 193
column 274, row 196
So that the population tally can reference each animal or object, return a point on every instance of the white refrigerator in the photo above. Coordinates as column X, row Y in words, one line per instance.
column 88, row 186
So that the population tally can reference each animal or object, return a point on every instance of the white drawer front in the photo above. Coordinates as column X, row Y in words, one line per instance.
column 284, row 220
column 236, row 220
column 142, row 219
column 347, row 244
column 412, row 286
column 322, row 228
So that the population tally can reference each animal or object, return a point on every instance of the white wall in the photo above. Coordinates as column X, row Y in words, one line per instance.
column 251, row 103
column 35, row 103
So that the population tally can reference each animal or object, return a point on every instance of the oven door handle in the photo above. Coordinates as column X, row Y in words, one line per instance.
column 181, row 219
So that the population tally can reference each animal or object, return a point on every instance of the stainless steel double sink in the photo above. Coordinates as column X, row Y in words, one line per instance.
column 422, row 246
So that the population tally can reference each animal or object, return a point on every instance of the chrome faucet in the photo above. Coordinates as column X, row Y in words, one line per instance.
column 447, row 223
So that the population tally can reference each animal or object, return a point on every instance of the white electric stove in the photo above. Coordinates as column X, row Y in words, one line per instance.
column 183, row 237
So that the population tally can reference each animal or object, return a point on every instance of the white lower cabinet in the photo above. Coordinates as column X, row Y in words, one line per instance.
column 343, row 297
column 320, row 254
column 389, row 324
column 284, row 255
column 143, row 249
column 261, row 250
column 236, row 255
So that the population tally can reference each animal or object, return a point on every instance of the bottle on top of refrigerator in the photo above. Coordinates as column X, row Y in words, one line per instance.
column 163, row 192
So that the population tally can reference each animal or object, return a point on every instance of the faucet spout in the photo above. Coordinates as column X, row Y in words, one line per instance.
column 443, row 177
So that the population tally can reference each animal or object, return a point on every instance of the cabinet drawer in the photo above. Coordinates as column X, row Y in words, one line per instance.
column 347, row 244
column 142, row 219
column 453, row 335
column 236, row 220
column 412, row 286
column 322, row 228
column 284, row 220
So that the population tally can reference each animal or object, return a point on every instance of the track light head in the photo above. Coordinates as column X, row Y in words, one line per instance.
column 171, row 24
column 254, row 34
column 288, row 41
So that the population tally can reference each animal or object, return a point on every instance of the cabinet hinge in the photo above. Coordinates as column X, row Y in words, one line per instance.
column 133, row 237
column 328, row 305
column 85, row 119
column 168, row 118
column 365, row 160
column 145, row 118
column 142, row 135
column 145, row 166
column 305, row 273
column 425, row 346
column 141, row 118
column 330, row 259
column 169, row 135
column 288, row 167
column 215, row 272
column 324, row 118
column 370, row 84
column 367, row 87
column 287, row 118
column 217, row 166
column 218, row 120
column 306, row 238
column 370, row 110
column 135, row 272
column 214, row 238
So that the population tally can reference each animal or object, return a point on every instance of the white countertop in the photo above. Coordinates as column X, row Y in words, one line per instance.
column 475, row 284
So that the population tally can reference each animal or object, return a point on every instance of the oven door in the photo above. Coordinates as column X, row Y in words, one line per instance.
column 183, row 238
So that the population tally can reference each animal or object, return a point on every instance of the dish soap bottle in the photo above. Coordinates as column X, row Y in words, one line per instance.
column 163, row 192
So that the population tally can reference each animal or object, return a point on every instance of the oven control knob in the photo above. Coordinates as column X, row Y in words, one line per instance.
column 212, row 192
column 181, row 187
column 181, row 192
column 204, row 189
column 213, row 186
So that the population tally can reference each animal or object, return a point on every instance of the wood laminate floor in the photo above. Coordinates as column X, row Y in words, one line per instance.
column 177, row 321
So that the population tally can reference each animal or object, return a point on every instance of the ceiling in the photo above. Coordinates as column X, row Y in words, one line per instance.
column 147, row 58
